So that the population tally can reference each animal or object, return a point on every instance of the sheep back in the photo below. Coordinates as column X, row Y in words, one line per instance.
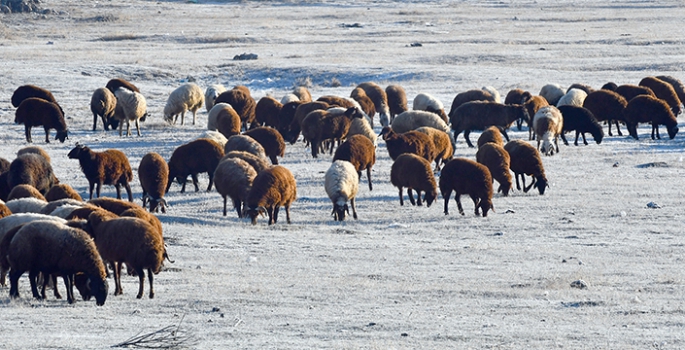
column 469, row 96
column 267, row 112
column 442, row 143
column 116, row 83
column 606, row 105
column 31, row 169
column 412, row 120
column 573, row 97
column 34, row 150
column 246, row 144
column 552, row 93
column 413, row 172
column 479, row 115
column 380, row 100
column 397, row 100
column 153, row 173
column 26, row 91
column 242, row 102
column 496, row 159
column 185, row 161
column 629, row 91
column 517, row 97
column 664, row 91
column 270, row 139
column 491, row 134
column 676, row 84
column 258, row 163
column 409, row 142
column 464, row 176
column 272, row 188
column 24, row 191
column 233, row 178
column 359, row 95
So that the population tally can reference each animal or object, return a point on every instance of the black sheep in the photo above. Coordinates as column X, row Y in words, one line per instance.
column 581, row 120
column 35, row 111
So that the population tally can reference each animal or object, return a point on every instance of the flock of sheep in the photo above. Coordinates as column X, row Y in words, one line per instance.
column 48, row 230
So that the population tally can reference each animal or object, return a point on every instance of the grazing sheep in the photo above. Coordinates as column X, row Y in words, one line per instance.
column 338, row 101
column 26, row 205
column 397, row 100
column 110, row 167
column 187, row 97
column 414, row 173
column 303, row 94
column 428, row 103
column 648, row 109
column 35, row 111
column 286, row 117
column 242, row 102
column 469, row 96
column 214, row 136
column 258, row 163
column 212, row 92
column 606, row 106
column 271, row 189
column 552, row 93
column 27, row 91
column 533, row 105
column 676, row 84
column 380, row 100
column 115, row 206
column 233, row 178
column 133, row 107
column 24, row 191
column 360, row 152
column 495, row 94
column 496, row 159
column 302, row 112
column 102, row 104
column 409, row 142
column 365, row 103
column 611, row 86
column 270, row 139
column 479, row 115
column 581, row 120
column 246, row 144
column 525, row 160
column 548, row 124
column 224, row 119
column 31, row 169
column 584, row 87
column 62, row 191
column 267, row 112
column 412, row 120
column 628, row 91
column 361, row 126
column 492, row 134
column 33, row 150
column 153, row 173
column 573, row 97
column 55, row 248
column 192, row 158
column 342, row 183
column 516, row 97
column 664, row 91
column 320, row 126
column 116, row 83
column 289, row 98
column 464, row 176
column 442, row 143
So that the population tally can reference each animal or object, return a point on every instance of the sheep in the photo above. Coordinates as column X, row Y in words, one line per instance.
column 35, row 111
column 103, row 103
column 646, row 109
column 116, row 83
column 517, row 97
column 62, row 191
column 270, row 139
column 273, row 188
column 187, row 97
column 525, row 160
column 496, row 159
column 51, row 206
column 245, row 143
column 234, row 178
column 676, row 84
column 492, row 134
column 4, row 210
column 24, row 191
column 26, row 205
column 548, row 124
column 359, row 151
column 4, row 165
column 409, row 142
column 27, row 91
column 664, row 91
column 606, row 106
column 64, row 211
column 397, row 100
column 258, row 163
column 301, row 112
column 267, row 111
column 242, row 102
column 31, row 169
column 468, row 96
column 133, row 107
column 303, row 94
column 365, row 103
column 224, row 119
column 286, row 117
column 115, row 206
column 428, row 103
column 581, row 120
column 153, row 173
column 337, row 101
column 289, row 98
column 552, row 93
column 33, row 150
column 464, row 176
column 129, row 240
column 192, row 158
column 573, row 97
column 495, row 94
column 320, row 126
column 628, row 91
column 361, row 126
column 212, row 92
column 414, row 172
column 380, row 100
column 533, row 105
column 342, row 183
column 110, row 167
column 442, row 143
column 55, row 248
column 585, row 88
column 412, row 120
column 214, row 136
column 611, row 86
column 478, row 115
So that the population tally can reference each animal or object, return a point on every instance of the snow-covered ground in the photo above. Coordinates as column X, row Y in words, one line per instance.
column 399, row 277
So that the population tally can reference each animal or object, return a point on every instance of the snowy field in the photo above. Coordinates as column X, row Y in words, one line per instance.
column 399, row 277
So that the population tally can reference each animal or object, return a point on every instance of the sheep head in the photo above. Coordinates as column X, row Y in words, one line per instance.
column 98, row 287
column 340, row 208
column 485, row 205
column 76, row 152
column 386, row 132
column 62, row 135
column 541, row 184
column 672, row 131
column 253, row 212
column 429, row 197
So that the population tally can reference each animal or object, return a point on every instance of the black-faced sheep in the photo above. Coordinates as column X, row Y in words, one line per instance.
column 380, row 100
column 62, row 191
column 497, row 160
column 581, row 120
column 533, row 105
column 664, row 91
column 442, row 143
column 469, row 96
column 110, row 167
column 270, row 139
column 409, row 142
column 33, row 150
column 464, row 176
column 300, row 113
column 233, row 178
column 102, row 104
column 320, row 126
column 427, row 102
column 224, row 119
column 359, row 95
column 676, row 84
column 24, row 191
column 414, row 173
column 359, row 151
column 212, row 92
column 525, row 160
column 153, row 173
column 192, row 158
column 246, row 144
column 258, row 163
column 187, row 97
column 648, row 109
column 552, row 93
column 35, row 111
column 412, row 120
column 573, row 97
column 242, row 102
column 479, row 115
column 491, row 134
column 132, row 107
column 548, row 124
column 31, row 169
column 116, row 83
column 267, row 112
column 397, row 100
column 342, row 183
column 606, row 106
column 271, row 189
column 628, row 91
column 26, row 91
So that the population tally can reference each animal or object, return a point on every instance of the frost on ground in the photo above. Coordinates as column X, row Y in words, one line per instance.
column 399, row 277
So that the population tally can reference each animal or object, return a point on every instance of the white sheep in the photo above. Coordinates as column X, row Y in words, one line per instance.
column 552, row 93
column 548, row 124
column 187, row 97
column 26, row 205
column 411, row 120
column 574, row 97
column 131, row 105
column 428, row 103
column 361, row 126
column 214, row 136
column 289, row 98
column 212, row 92
column 495, row 94
column 342, row 184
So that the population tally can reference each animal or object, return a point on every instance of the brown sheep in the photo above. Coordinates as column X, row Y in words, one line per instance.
column 525, row 160
column 271, row 140
column 24, row 191
column 35, row 111
column 380, row 100
column 664, row 91
column 153, row 173
column 533, row 105
column 468, row 96
column 300, row 113
column 26, row 91
column 443, row 145
column 606, row 106
column 234, row 178
column 397, row 100
column 4, row 210
column 491, row 134
column 628, row 91
column 359, row 95
column 611, row 86
column 479, row 115
column 192, row 158
column 409, row 142
column 4, row 186
column 110, row 167
column 303, row 94
column 258, row 163
column 227, row 120
column 267, row 112
column 31, row 169
column 286, row 117
column 676, row 84
column 464, row 176
column 320, row 126
column 517, row 97
column 240, row 99
column 359, row 151
column 34, row 150
column 497, row 160
column 115, row 206
column 336, row 101
column 103, row 103
column 116, row 83
column 414, row 173
column 83, row 212
column 62, row 191
column 246, row 144
column 271, row 189
column 5, row 165
column 649, row 109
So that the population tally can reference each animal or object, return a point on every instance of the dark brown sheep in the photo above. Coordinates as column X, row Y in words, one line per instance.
column 320, row 126
column 242, row 102
column 267, row 112
column 397, row 100
column 35, row 111
column 380, row 100
column 116, row 83
column 114, row 206
column 300, row 113
column 31, row 169
column 286, row 117
column 664, row 91
column 409, row 142
column 629, row 91
column 34, row 150
column 192, row 158
column 233, row 178
column 24, row 191
column 359, row 95
column 62, row 191
column 491, row 134
column 606, row 106
column 464, row 176
column 359, row 151
column 497, row 160
column 443, row 145
column 468, row 96
column 271, row 140
column 110, row 167
column 611, row 86
column 336, row 101
column 271, row 189
column 676, row 84
column 227, row 120
column 4, row 165
column 414, row 173
column 517, row 97
column 580, row 120
column 4, row 186
column 533, row 105
column 153, row 173
column 258, row 163
column 525, row 160
column 649, row 109
column 26, row 91
column 479, row 115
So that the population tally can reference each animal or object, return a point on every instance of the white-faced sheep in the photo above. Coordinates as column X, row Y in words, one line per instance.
column 62, row 191
column 24, row 191
column 525, row 160
column 464, row 176
column 271, row 189
column 629, row 91
column 533, row 105
column 606, row 106
column 491, row 134
column 580, row 120
column 214, row 136
column 365, row 103
column 224, row 119
column 676, row 84
column 429, row 103
column 320, row 126
column 342, row 183
column 31, row 169
column 497, row 160
column 664, row 91
column 397, row 100
column 267, row 111
column 35, row 111
column 270, row 139
column 187, row 97
column 409, row 142
column 116, row 83
column 258, row 163
column 414, row 173
column 133, row 107
column 360, row 152
column 548, row 124
column 212, row 92
column 479, row 115
column 102, row 104
column 153, row 173
column 648, row 109
column 380, row 100
column 469, row 96
column 233, row 178
column 442, row 143
column 246, row 144
column 110, row 167
column 26, row 205
column 192, row 158
column 552, row 93
column 573, row 97
column 242, row 102
column 412, row 120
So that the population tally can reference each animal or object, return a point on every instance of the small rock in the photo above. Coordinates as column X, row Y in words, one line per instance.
column 510, row 211
column 653, row 205
column 615, row 165
column 245, row 56
column 580, row 284
column 404, row 334
column 499, row 234
column 216, row 309
column 416, row 45
column 371, row 324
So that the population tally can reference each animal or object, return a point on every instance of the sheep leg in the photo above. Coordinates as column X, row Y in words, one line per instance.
column 276, row 209
column 211, row 181
column 411, row 195
column 149, row 277
column 576, row 142
column 128, row 127
column 618, row 130
column 270, row 212
column 97, row 189
column 519, row 122
column 556, row 143
column 117, row 278
column 237, row 204
column 526, row 189
column 138, row 127
column 183, row 184
column 476, row 203
column 354, row 209
column 95, row 121
column 457, row 199
column 504, row 133
column 563, row 138
column 141, row 282
column 54, row 285
column 92, row 184
column 183, row 117
column 466, row 136
column 226, row 202
column 368, row 176
column 118, row 187
column 128, row 191
column 14, row 282
column 194, row 115
column 584, row 140
column 401, row 195
column 197, row 188
column 27, row 131
column 69, row 284
column 287, row 212
column 518, row 187
column 418, row 198
column 33, row 278
column 121, row 127
column 3, row 278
